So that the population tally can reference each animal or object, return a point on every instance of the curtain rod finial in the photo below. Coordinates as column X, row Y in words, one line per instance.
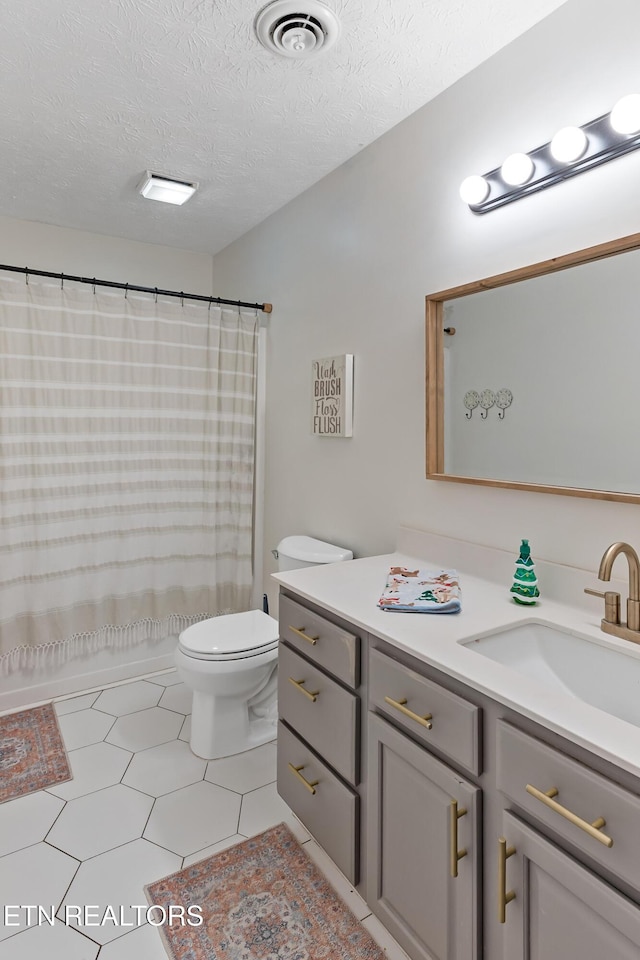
column 267, row 307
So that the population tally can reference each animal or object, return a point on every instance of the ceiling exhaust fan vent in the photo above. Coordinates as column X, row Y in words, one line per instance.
column 297, row 28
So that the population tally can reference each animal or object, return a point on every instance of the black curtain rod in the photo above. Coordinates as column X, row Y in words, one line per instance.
column 28, row 272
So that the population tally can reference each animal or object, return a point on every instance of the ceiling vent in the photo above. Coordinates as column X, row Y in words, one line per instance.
column 297, row 28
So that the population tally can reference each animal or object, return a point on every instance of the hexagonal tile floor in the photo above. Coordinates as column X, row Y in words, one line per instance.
column 83, row 727
column 177, row 697
column 164, row 768
column 139, row 807
column 120, row 812
column 27, row 820
column 181, row 820
column 94, row 767
column 145, row 728
column 128, row 698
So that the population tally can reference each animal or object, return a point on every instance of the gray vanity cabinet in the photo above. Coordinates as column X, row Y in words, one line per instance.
column 560, row 909
column 441, row 793
column 321, row 712
column 328, row 807
column 547, row 899
column 319, row 736
column 422, row 834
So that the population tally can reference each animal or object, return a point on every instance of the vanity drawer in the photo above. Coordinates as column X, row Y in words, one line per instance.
column 525, row 762
column 455, row 723
column 331, row 647
column 321, row 711
column 331, row 812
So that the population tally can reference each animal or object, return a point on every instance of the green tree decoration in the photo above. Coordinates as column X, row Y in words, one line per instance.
column 525, row 583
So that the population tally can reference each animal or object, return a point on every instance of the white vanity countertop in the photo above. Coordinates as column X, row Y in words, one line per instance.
column 351, row 590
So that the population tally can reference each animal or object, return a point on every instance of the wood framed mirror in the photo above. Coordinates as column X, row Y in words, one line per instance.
column 533, row 377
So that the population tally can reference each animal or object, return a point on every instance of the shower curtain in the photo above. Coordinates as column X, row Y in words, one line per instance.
column 126, row 466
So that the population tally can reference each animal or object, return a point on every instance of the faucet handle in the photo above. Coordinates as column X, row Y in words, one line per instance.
column 611, row 604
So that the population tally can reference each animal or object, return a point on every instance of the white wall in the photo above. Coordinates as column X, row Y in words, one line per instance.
column 348, row 264
column 44, row 247
column 60, row 250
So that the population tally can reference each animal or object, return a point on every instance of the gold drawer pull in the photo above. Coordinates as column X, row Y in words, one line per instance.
column 400, row 705
column 305, row 636
column 504, row 852
column 311, row 786
column 593, row 829
column 454, row 853
column 298, row 684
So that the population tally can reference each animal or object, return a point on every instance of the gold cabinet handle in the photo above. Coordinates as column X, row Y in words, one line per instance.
column 310, row 785
column 504, row 897
column 400, row 705
column 593, row 829
column 299, row 685
column 454, row 853
column 305, row 636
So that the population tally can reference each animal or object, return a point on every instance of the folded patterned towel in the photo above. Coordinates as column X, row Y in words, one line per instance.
column 421, row 591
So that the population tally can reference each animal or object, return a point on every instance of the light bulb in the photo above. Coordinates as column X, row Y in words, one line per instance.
column 625, row 116
column 474, row 190
column 517, row 169
column 568, row 144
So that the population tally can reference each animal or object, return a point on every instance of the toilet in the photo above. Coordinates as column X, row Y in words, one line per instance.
column 230, row 664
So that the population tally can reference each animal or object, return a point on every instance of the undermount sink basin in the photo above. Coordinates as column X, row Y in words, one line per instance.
column 604, row 677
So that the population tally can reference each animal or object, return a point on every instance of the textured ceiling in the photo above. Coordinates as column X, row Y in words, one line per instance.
column 95, row 92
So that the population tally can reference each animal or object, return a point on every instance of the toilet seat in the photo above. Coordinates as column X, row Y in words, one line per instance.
column 243, row 655
column 230, row 637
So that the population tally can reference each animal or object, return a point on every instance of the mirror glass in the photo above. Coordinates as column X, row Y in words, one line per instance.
column 532, row 377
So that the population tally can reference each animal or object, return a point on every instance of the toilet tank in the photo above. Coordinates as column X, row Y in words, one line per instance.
column 294, row 552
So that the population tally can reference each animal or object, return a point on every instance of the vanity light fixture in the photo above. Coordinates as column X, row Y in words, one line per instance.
column 568, row 144
column 165, row 189
column 474, row 190
column 572, row 150
column 625, row 116
column 517, row 169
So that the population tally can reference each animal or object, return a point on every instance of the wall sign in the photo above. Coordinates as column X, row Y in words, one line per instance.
column 332, row 396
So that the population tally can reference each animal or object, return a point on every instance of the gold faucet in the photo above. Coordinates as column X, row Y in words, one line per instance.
column 611, row 622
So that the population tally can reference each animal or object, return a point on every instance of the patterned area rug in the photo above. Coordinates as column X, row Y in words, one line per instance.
column 32, row 754
column 263, row 899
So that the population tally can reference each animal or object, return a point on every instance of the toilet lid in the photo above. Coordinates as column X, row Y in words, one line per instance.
column 233, row 635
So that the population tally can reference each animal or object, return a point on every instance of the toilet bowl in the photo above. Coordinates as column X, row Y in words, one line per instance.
column 230, row 664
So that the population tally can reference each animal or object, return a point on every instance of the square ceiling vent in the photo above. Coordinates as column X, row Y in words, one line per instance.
column 166, row 189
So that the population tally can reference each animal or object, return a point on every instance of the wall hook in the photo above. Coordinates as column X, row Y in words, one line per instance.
column 487, row 400
column 504, row 399
column 471, row 401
